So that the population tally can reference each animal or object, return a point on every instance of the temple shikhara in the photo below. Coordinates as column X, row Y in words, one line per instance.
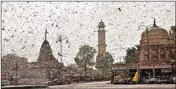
column 45, row 69
column 47, row 64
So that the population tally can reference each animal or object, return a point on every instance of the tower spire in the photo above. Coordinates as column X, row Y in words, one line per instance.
column 154, row 23
column 101, row 24
column 46, row 33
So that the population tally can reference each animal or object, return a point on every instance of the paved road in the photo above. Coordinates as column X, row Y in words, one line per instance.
column 107, row 85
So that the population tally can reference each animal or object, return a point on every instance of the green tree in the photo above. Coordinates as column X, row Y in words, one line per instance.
column 131, row 56
column 84, row 57
column 13, row 65
column 173, row 29
column 104, row 63
column 10, row 61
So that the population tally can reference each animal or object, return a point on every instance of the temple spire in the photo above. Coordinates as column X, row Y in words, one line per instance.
column 154, row 23
column 46, row 33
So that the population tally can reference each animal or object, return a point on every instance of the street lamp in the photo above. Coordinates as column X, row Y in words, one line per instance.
column 60, row 38
column 148, row 51
column 16, row 75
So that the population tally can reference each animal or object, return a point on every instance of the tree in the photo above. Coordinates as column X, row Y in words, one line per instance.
column 173, row 30
column 13, row 65
column 104, row 63
column 11, row 61
column 131, row 56
column 85, row 57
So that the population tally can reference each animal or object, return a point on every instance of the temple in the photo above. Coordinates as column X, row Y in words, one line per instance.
column 45, row 69
column 158, row 54
column 155, row 54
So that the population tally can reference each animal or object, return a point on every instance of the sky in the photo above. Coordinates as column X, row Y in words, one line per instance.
column 24, row 24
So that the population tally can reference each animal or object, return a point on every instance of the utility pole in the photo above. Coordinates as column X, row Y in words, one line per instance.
column 175, row 49
column 175, row 46
column 16, row 70
column 148, row 51
column 60, row 40
column 85, row 69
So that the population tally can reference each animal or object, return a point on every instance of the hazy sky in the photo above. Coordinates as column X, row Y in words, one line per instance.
column 24, row 24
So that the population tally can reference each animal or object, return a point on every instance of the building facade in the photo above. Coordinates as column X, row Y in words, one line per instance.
column 156, row 50
column 156, row 54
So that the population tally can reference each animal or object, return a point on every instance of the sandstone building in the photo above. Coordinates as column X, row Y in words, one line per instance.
column 101, row 39
column 156, row 53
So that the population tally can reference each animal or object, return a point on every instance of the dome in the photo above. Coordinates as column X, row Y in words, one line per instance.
column 155, row 32
column 156, row 35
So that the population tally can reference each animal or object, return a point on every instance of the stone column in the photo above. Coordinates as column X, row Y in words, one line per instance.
column 153, row 61
column 159, row 57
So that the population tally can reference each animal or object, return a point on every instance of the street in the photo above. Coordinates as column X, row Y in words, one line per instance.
column 107, row 85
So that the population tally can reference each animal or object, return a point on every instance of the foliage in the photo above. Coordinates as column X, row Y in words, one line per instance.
column 173, row 28
column 11, row 63
column 104, row 63
column 85, row 56
column 131, row 56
